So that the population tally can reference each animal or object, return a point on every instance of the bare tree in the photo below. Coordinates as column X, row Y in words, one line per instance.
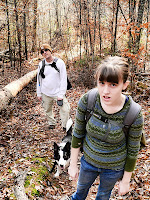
column 9, row 38
column 25, row 34
column 115, row 34
column 18, row 33
column 34, row 26
column 99, row 27
column 138, row 24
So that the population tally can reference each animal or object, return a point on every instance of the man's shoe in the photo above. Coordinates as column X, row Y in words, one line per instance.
column 51, row 126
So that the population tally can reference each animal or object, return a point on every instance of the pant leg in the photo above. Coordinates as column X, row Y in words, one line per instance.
column 47, row 103
column 87, row 176
column 64, row 112
column 108, row 178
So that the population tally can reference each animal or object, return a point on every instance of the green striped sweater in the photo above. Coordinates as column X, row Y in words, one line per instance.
column 110, row 152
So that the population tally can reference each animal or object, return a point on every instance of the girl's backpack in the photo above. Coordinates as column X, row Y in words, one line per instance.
column 129, row 118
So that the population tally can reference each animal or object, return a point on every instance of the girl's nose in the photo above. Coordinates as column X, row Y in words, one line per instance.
column 106, row 89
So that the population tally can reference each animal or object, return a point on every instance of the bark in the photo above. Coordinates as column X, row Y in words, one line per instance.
column 34, row 26
column 25, row 32
column 19, row 190
column 13, row 88
column 9, row 37
column 116, row 24
column 99, row 28
column 18, row 32
column 138, row 24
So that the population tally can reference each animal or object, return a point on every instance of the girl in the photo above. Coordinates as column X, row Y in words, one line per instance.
column 109, row 157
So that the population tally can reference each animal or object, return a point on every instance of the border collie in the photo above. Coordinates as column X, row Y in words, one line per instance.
column 62, row 151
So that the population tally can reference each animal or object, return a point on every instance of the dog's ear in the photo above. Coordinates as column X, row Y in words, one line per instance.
column 67, row 146
column 55, row 146
column 69, row 132
column 56, row 154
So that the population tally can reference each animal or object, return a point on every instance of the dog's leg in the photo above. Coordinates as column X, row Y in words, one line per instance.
column 59, row 171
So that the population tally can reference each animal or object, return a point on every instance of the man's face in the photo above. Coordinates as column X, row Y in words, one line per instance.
column 46, row 53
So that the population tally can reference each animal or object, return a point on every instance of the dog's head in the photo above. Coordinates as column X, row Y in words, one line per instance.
column 62, row 154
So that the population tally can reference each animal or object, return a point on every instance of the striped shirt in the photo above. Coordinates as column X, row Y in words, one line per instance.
column 104, row 144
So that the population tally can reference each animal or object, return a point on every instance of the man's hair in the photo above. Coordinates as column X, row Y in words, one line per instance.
column 46, row 46
column 113, row 69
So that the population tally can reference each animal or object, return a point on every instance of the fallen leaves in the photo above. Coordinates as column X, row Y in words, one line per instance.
column 27, row 143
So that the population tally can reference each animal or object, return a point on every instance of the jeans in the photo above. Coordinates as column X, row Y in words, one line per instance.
column 88, row 174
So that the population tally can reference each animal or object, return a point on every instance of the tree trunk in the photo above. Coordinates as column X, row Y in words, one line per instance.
column 112, row 27
column 34, row 27
column 147, row 34
column 132, row 4
column 18, row 34
column 25, row 36
column 99, row 28
column 116, row 23
column 9, row 42
column 13, row 88
column 138, row 24
column 95, row 23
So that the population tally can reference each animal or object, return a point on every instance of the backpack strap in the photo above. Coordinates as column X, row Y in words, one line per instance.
column 130, row 116
column 55, row 59
column 54, row 65
column 91, row 96
column 42, row 69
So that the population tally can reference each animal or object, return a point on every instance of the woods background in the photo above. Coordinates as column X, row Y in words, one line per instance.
column 97, row 27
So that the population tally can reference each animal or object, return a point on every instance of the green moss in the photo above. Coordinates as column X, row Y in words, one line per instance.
column 13, row 196
column 27, row 181
column 9, row 170
column 39, row 159
column 41, row 171
column 35, row 192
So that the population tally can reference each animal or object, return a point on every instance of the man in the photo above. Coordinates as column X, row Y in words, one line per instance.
column 52, row 86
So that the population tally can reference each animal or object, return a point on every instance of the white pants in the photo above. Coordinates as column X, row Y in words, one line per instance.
column 48, row 102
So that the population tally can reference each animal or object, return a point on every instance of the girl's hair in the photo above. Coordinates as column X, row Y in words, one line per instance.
column 113, row 69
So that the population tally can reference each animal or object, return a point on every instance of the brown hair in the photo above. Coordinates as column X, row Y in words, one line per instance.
column 113, row 69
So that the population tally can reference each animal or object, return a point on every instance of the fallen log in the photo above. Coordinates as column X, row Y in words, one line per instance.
column 19, row 189
column 12, row 89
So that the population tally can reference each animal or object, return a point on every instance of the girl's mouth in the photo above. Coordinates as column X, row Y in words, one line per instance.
column 106, row 97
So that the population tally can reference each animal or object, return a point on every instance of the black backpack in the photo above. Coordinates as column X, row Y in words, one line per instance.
column 69, row 86
column 129, row 118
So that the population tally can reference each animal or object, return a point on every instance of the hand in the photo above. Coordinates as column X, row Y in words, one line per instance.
column 73, row 172
column 123, row 187
column 58, row 99
column 40, row 98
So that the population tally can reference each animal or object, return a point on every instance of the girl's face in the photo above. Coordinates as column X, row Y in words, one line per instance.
column 110, row 93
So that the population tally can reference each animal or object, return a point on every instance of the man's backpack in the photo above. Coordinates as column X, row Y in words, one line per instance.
column 129, row 118
column 69, row 86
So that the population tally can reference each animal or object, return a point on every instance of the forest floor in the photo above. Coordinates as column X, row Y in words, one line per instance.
column 26, row 145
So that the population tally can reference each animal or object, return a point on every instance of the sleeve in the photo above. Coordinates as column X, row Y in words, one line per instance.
column 133, row 144
column 39, row 81
column 63, row 78
column 80, row 122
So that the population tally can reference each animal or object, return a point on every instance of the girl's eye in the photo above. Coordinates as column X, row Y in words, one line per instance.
column 113, row 84
column 101, row 82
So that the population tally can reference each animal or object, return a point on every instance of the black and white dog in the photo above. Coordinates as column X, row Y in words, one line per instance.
column 62, row 151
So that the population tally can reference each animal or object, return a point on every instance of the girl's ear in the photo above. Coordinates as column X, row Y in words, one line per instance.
column 125, row 85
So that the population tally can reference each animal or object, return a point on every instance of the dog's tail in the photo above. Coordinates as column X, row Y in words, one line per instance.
column 69, row 126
